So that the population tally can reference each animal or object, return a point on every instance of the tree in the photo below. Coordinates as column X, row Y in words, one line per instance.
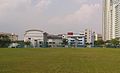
column 108, row 41
column 65, row 42
column 99, row 43
column 27, row 43
column 115, row 42
column 4, row 41
column 87, row 44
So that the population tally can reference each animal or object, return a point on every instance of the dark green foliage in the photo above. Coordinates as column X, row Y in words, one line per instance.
column 4, row 41
column 115, row 42
column 27, row 43
column 99, row 43
column 65, row 42
column 21, row 44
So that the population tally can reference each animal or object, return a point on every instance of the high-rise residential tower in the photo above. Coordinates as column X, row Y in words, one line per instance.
column 111, row 19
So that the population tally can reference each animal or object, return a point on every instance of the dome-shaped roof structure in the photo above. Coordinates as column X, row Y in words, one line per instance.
column 33, row 30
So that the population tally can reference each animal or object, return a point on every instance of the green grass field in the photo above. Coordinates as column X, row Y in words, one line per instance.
column 59, row 60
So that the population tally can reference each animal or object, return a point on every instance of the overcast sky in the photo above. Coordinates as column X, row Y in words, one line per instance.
column 52, row 16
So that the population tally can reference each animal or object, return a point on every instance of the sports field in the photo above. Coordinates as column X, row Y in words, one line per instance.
column 60, row 60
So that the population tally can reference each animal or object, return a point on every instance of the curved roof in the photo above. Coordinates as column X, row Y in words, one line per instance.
column 34, row 30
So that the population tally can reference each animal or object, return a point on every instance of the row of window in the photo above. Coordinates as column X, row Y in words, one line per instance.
column 47, row 43
column 80, row 43
column 77, row 40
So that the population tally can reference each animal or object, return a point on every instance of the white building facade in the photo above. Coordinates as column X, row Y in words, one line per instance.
column 111, row 19
column 13, row 37
column 54, row 40
column 89, row 37
column 36, row 37
column 76, row 39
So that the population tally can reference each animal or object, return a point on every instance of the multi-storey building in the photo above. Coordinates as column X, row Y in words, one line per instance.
column 111, row 19
column 89, row 37
column 36, row 37
column 76, row 39
column 13, row 37
column 54, row 40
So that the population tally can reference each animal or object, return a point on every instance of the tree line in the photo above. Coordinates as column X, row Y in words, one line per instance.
column 114, row 43
column 5, row 41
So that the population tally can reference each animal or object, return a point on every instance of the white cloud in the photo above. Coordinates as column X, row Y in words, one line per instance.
column 42, row 3
column 78, row 1
column 85, row 13
column 17, row 15
column 23, row 10
column 20, row 15
column 13, row 5
column 86, row 1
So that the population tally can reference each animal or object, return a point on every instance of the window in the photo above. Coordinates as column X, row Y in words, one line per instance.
column 80, row 40
column 80, row 37
column 53, row 42
column 80, row 43
column 29, row 38
column 40, row 42
column 72, row 40
column 40, row 46
column 50, row 42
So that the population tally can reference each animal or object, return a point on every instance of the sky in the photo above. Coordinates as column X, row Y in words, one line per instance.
column 52, row 16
